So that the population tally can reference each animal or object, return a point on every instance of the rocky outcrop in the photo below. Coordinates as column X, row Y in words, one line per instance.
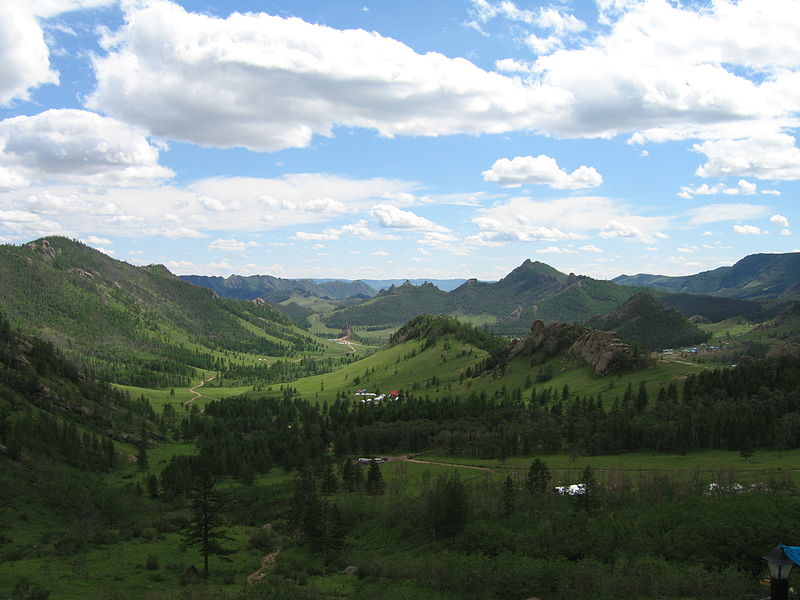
column 785, row 349
column 347, row 332
column 547, row 339
column 43, row 247
column 604, row 351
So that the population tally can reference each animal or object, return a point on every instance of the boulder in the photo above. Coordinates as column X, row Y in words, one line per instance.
column 604, row 351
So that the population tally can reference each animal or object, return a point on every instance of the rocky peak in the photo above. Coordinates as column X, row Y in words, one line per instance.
column 43, row 247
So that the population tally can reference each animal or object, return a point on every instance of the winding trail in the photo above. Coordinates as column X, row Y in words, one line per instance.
column 346, row 342
column 197, row 394
column 444, row 464
column 267, row 562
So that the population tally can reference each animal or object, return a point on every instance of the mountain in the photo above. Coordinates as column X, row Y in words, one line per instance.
column 445, row 285
column 393, row 306
column 534, row 290
column 276, row 289
column 755, row 277
column 135, row 325
column 644, row 320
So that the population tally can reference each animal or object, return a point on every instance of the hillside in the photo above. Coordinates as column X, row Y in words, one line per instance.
column 393, row 306
column 532, row 291
column 643, row 320
column 755, row 277
column 276, row 289
column 137, row 325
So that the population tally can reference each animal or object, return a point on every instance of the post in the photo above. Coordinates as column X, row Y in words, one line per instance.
column 778, row 589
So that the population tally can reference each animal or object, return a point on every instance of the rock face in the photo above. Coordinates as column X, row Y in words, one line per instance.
column 547, row 339
column 604, row 351
column 347, row 332
column 785, row 350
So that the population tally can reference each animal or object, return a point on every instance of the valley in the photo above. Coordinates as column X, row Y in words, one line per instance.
column 125, row 390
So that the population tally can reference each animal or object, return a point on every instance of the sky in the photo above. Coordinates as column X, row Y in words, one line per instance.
column 386, row 139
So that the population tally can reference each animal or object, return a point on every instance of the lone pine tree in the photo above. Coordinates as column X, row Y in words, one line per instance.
column 204, row 528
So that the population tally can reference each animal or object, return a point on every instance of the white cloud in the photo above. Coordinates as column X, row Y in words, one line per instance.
column 77, row 146
column 268, row 83
column 743, row 188
column 541, row 169
column 617, row 229
column 396, row 218
column 94, row 240
column 24, row 55
column 28, row 224
column 380, row 253
column 779, row 220
column 768, row 156
column 545, row 18
column 747, row 230
column 783, row 222
column 526, row 220
column 591, row 248
column 714, row 213
column 556, row 250
column 359, row 230
column 176, row 233
column 231, row 245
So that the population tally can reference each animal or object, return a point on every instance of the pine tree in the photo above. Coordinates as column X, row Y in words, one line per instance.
column 204, row 528
column 509, row 496
column 375, row 484
column 538, row 477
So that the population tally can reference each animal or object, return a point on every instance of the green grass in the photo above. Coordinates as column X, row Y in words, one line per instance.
column 710, row 465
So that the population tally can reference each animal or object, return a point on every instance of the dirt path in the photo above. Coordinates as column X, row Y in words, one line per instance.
column 444, row 464
column 346, row 342
column 197, row 394
column 267, row 562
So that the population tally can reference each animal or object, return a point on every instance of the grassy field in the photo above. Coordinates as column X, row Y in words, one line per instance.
column 712, row 465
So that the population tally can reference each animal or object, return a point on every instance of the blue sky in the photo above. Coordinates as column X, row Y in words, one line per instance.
column 403, row 139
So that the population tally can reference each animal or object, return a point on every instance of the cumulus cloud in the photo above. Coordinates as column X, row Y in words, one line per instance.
column 77, row 146
column 397, row 218
column 556, row 250
column 231, row 245
column 591, row 248
column 28, row 224
column 526, row 220
column 744, row 188
column 747, row 230
column 783, row 222
column 541, row 169
column 617, row 229
column 267, row 83
column 767, row 156
column 779, row 220
column 359, row 230
column 714, row 213
column 24, row 55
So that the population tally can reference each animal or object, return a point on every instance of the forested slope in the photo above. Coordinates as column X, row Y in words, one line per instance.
column 137, row 325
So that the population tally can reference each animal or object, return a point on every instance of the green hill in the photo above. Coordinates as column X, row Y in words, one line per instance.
column 643, row 320
column 758, row 276
column 532, row 291
column 136, row 325
column 277, row 289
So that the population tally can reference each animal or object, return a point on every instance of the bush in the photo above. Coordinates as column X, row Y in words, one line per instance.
column 152, row 563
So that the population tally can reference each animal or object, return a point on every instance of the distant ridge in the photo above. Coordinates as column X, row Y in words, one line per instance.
column 755, row 277
column 277, row 289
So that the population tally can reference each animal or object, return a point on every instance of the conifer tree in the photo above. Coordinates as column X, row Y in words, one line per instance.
column 375, row 483
column 205, row 527
column 538, row 477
